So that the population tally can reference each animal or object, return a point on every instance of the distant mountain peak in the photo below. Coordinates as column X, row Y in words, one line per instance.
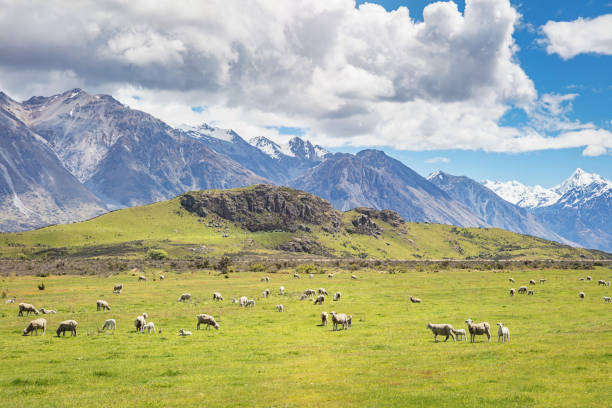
column 580, row 179
column 522, row 195
column 205, row 130
column 295, row 147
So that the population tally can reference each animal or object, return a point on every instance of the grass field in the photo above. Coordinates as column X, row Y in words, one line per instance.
column 559, row 354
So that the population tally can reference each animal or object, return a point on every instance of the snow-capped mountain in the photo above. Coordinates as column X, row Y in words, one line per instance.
column 522, row 195
column 296, row 147
column 581, row 188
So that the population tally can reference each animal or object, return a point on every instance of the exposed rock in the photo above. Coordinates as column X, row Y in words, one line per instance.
column 364, row 225
column 303, row 244
column 388, row 216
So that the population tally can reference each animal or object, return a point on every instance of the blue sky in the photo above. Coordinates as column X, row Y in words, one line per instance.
column 589, row 75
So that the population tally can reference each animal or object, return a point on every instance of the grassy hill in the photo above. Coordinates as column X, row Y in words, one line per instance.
column 272, row 221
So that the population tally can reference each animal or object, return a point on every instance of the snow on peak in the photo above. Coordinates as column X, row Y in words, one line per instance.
column 267, row 146
column 295, row 147
column 522, row 195
column 205, row 130
column 436, row 174
column 580, row 179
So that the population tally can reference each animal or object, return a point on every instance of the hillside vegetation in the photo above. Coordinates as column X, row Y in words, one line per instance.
column 272, row 221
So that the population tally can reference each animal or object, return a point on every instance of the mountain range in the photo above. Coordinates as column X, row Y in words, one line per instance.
column 73, row 155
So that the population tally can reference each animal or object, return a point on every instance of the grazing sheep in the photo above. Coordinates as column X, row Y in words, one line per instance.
column 145, row 315
column 339, row 319
column 243, row 301
column 265, row 293
column 349, row 321
column 589, row 278
column 324, row 317
column 208, row 320
column 310, row 292
column 234, row 300
column 250, row 303
column 354, row 277
column 35, row 325
column 415, row 300
column 530, row 292
column 522, row 289
column 280, row 308
column 532, row 282
column 27, row 307
column 608, row 283
column 331, row 275
column 477, row 329
column 601, row 282
column 503, row 333
column 140, row 323
column 11, row 300
column 322, row 292
column 303, row 296
column 281, row 290
column 110, row 324
column 184, row 297
column 542, row 281
column 265, row 279
column 118, row 288
column 441, row 330
column 310, row 275
column 607, row 299
column 460, row 334
column 581, row 279
column 47, row 311
column 162, row 277
column 183, row 332
column 67, row 325
column 217, row 297
column 512, row 291
column 581, row 295
column 102, row 305
column 150, row 327
column 142, row 278
column 337, row 296
column 511, row 280
column 319, row 300
column 296, row 276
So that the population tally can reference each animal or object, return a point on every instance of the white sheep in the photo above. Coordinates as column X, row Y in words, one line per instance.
column 102, row 305
column 265, row 279
column 47, row 311
column 589, row 278
column 331, row 275
column 477, row 329
column 296, row 276
column 322, row 291
column 140, row 323
column 601, row 282
column 581, row 295
column 607, row 299
column 142, row 278
column 339, row 319
column 511, row 280
column 265, row 293
column 512, row 291
column 530, row 292
column 324, row 318
column 11, row 300
column 443, row 329
column 522, row 289
column 349, row 321
column 542, row 281
column 145, row 315
column 243, row 301
column 280, row 308
column 319, row 300
column 337, row 296
column 532, row 282
column 281, row 290
column 162, row 277
column 217, row 297
column 581, row 279
column 150, row 327
column 310, row 275
column 303, row 296
column 110, row 324
column 208, row 320
column 184, row 297
column 27, row 307
column 35, row 325
column 460, row 334
column 183, row 332
column 608, row 283
column 67, row 325
column 234, row 300
column 503, row 333
column 415, row 300
column 250, row 303
column 310, row 292
column 354, row 277
column 118, row 288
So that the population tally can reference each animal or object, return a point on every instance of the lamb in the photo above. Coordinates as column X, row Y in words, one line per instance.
column 511, row 280
column 184, row 297
column 296, row 276
column 581, row 295
column 522, row 289
column 349, row 321
column 35, row 325
column 331, row 275
column 234, row 300
column 142, row 278
column 118, row 288
column 281, row 290
column 208, row 320
column 250, row 303
column 47, row 311
column 542, row 281
column 303, row 296
column 339, row 319
column 415, row 300
column 67, row 325
column 243, row 301
column 265, row 293
column 150, row 327
column 322, row 292
column 460, row 334
column 503, row 333
column 441, row 330
column 27, row 307
column 319, row 300
column 512, row 291
column 354, row 277
column 280, row 308
column 310, row 275
column 324, row 317
column 601, row 282
column 11, row 300
column 140, row 323
column 337, row 296
column 607, row 299
column 608, row 283
column 477, row 329
column 183, row 332
column 532, row 282
column 162, row 277
column 217, row 297
column 589, row 278
column 265, row 279
column 110, row 324
column 530, row 292
column 102, row 305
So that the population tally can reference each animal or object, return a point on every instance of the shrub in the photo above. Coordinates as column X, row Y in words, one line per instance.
column 224, row 264
column 158, row 254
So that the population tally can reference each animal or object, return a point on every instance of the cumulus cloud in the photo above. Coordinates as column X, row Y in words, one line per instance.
column 584, row 35
column 347, row 76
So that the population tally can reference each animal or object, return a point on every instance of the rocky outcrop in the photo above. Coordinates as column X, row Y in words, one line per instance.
column 364, row 225
column 388, row 216
column 265, row 208
column 303, row 244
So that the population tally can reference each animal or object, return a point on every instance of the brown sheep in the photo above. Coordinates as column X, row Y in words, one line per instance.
column 27, row 307
column 319, row 300
column 67, row 325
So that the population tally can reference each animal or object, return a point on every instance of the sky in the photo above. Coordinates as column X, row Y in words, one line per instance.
column 490, row 89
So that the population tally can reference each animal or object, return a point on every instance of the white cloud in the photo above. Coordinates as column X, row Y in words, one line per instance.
column 594, row 150
column 350, row 76
column 584, row 35
column 438, row 160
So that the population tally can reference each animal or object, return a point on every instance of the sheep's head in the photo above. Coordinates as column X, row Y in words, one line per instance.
column 500, row 324
column 25, row 332
column 429, row 325
column 469, row 321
